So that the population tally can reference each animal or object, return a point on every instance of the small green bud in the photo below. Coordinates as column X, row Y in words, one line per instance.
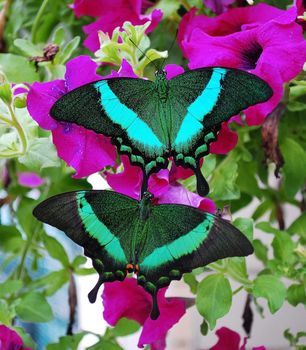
column 20, row 101
column 6, row 93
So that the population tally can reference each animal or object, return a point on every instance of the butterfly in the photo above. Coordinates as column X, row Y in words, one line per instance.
column 152, row 121
column 157, row 242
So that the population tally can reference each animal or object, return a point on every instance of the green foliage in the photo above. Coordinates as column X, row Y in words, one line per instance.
column 214, row 298
column 237, row 179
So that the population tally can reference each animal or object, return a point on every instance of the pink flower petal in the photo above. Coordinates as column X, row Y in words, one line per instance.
column 227, row 140
column 173, row 70
column 127, row 299
column 228, row 340
column 82, row 149
column 10, row 340
column 41, row 98
column 171, row 311
column 29, row 179
column 80, row 71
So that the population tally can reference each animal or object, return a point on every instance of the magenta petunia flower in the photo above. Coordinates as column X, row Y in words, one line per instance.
column 30, row 179
column 10, row 340
column 260, row 39
column 112, row 14
column 163, row 185
column 230, row 340
column 127, row 299
column 84, row 150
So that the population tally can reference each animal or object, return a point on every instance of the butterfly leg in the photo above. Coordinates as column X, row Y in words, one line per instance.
column 202, row 185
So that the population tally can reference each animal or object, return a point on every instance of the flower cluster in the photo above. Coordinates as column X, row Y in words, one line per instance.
column 261, row 39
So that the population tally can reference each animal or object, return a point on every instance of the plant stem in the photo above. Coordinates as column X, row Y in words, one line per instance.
column 20, row 131
column 38, row 20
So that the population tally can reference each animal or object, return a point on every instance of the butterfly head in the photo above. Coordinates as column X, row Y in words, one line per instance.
column 160, row 74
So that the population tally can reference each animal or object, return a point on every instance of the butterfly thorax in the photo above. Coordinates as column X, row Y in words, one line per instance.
column 161, row 85
column 145, row 206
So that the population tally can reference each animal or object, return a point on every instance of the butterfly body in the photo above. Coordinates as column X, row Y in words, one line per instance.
column 152, row 121
column 157, row 242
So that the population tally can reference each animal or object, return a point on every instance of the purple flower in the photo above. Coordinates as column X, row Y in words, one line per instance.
column 30, row 179
column 163, row 185
column 230, row 340
column 260, row 39
column 112, row 14
column 10, row 340
column 84, row 150
column 127, row 299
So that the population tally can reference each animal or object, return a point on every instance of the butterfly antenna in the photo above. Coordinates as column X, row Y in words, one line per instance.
column 170, row 48
column 143, row 53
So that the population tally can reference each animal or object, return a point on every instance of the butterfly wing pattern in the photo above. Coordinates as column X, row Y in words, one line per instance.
column 158, row 242
column 151, row 121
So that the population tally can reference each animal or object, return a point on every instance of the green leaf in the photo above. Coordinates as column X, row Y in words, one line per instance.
column 299, row 226
column 283, row 247
column 34, row 307
column 41, row 154
column 125, row 327
column 168, row 7
column 10, row 238
column 214, row 298
column 56, row 250
column 296, row 294
column 223, row 183
column 266, row 227
column 192, row 282
column 58, row 36
column 209, row 165
column 28, row 48
column 69, row 342
column 79, row 260
column 261, row 251
column 68, row 50
column 294, row 168
column 272, row 289
column 262, row 209
column 25, row 72
column 105, row 345
column 237, row 268
column 245, row 225
column 10, row 287
column 51, row 282
column 7, row 313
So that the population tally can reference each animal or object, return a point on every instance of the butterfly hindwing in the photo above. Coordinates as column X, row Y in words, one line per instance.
column 181, row 238
column 99, row 221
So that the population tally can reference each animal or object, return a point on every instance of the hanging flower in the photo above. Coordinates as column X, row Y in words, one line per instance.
column 10, row 340
column 84, row 150
column 230, row 340
column 128, row 299
column 267, row 43
column 112, row 14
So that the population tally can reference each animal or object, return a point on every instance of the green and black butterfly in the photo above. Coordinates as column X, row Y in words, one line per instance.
column 157, row 242
column 151, row 121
